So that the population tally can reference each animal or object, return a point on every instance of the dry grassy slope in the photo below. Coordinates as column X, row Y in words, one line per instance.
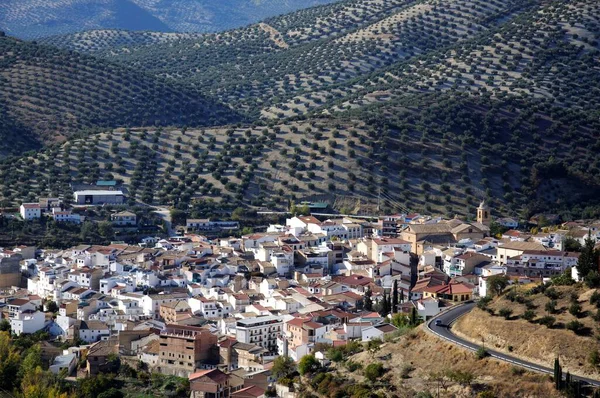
column 428, row 354
column 90, row 159
column 536, row 342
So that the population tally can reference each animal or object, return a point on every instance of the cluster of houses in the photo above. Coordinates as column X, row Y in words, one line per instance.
column 220, row 312
column 55, row 209
column 100, row 193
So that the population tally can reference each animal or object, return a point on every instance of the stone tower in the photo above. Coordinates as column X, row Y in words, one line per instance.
column 483, row 214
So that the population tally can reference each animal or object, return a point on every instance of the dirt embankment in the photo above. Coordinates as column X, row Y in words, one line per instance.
column 411, row 361
column 532, row 341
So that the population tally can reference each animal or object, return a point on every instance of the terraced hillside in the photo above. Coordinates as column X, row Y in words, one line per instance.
column 309, row 24
column 550, row 54
column 428, row 106
column 40, row 18
column 114, row 40
column 299, row 54
column 441, row 160
column 49, row 94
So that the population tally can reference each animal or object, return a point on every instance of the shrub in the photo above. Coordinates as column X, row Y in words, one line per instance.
column 541, row 288
column 575, row 310
column 424, row 394
column 335, row 355
column 406, row 370
column 547, row 321
column 511, row 295
column 374, row 371
column 551, row 306
column 530, row 305
column 595, row 299
column 521, row 299
column 353, row 366
column 592, row 280
column 464, row 378
column 516, row 371
column 576, row 327
column 552, row 293
column 483, row 303
column 111, row 393
column 574, row 297
column 481, row 353
column 374, row 344
column 528, row 315
column 505, row 312
column 563, row 279
column 594, row 358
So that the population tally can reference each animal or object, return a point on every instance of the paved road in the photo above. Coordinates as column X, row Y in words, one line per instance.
column 444, row 331
column 165, row 214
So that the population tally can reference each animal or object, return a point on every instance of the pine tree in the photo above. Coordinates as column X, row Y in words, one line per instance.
column 588, row 258
column 395, row 299
column 368, row 300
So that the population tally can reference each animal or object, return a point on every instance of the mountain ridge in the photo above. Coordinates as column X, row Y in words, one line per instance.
column 33, row 19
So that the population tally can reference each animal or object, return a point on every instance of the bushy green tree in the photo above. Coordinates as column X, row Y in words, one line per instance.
column 496, row 284
column 9, row 362
column 374, row 371
column 588, row 258
column 308, row 364
column 283, row 367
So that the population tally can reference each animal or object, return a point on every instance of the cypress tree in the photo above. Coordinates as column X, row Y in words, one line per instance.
column 413, row 316
column 385, row 305
column 368, row 300
column 395, row 298
column 557, row 374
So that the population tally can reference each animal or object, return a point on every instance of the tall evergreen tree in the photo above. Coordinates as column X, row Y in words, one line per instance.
column 414, row 319
column 395, row 298
column 368, row 299
column 385, row 305
column 588, row 259
column 557, row 374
